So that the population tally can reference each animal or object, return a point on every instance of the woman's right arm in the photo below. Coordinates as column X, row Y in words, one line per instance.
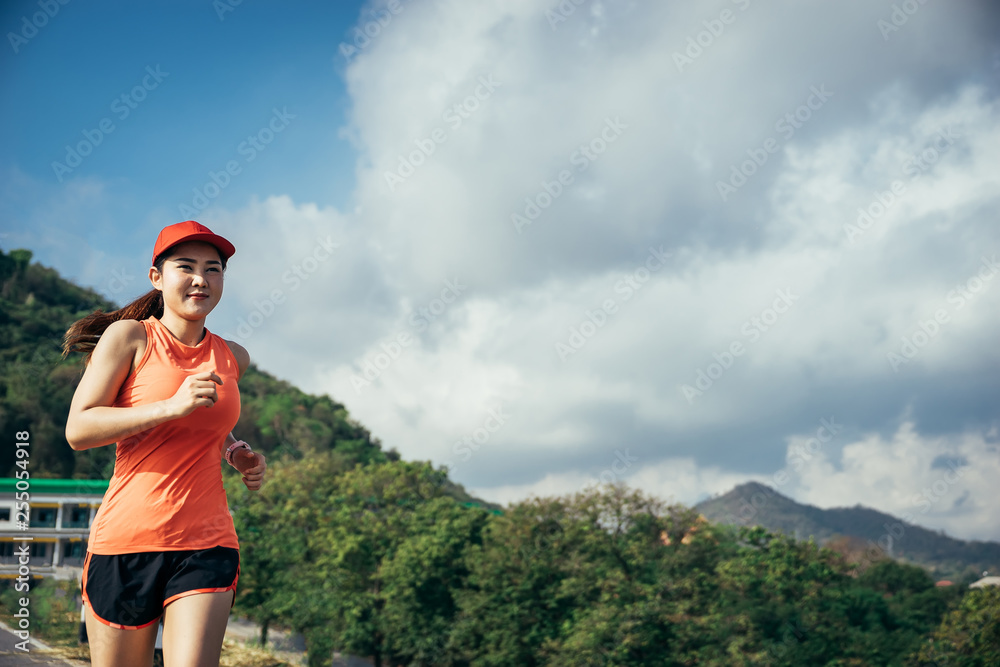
column 93, row 422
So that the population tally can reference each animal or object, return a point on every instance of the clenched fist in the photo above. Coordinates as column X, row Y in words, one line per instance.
column 198, row 390
column 251, row 465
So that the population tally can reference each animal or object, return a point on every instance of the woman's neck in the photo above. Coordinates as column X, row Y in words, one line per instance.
column 186, row 331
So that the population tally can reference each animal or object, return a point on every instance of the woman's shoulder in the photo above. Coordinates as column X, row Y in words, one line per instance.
column 241, row 354
column 123, row 339
column 125, row 332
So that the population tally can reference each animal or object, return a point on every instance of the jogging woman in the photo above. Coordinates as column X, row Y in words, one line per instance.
column 163, row 387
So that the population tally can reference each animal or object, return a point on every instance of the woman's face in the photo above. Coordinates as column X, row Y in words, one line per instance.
column 191, row 280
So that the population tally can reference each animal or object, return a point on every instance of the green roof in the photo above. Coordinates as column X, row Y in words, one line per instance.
column 77, row 487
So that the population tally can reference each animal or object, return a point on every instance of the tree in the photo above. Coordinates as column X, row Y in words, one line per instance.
column 513, row 600
column 969, row 636
column 279, row 579
column 421, row 579
column 273, row 525
column 373, row 512
column 585, row 579
column 359, row 559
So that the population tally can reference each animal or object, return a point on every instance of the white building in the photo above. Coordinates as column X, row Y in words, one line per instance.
column 986, row 581
column 61, row 513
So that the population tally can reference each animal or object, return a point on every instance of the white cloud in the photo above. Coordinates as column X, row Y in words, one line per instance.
column 943, row 482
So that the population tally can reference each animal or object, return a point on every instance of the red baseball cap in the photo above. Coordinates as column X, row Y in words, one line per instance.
column 189, row 230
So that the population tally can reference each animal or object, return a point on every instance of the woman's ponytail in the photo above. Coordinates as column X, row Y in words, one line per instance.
column 85, row 332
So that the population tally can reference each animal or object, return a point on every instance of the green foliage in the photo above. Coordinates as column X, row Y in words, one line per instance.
column 274, row 526
column 420, row 579
column 52, row 605
column 375, row 511
column 610, row 577
column 359, row 558
column 969, row 636
column 382, row 560
column 583, row 580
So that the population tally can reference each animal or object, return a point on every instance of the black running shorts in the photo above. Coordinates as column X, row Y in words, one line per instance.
column 129, row 591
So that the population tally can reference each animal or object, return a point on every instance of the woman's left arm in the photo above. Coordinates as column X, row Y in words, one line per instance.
column 251, row 465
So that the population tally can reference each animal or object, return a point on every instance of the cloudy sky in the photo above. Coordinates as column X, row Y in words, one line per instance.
column 680, row 245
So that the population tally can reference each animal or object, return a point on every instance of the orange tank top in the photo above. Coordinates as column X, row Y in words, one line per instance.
column 166, row 493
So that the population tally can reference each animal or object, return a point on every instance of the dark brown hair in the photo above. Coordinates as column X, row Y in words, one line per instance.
column 85, row 332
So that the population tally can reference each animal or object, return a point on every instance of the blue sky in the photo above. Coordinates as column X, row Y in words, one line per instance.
column 221, row 80
column 547, row 243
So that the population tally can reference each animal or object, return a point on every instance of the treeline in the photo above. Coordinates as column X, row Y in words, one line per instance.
column 379, row 560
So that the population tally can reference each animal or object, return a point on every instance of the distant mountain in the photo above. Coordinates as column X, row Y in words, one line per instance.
column 860, row 532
